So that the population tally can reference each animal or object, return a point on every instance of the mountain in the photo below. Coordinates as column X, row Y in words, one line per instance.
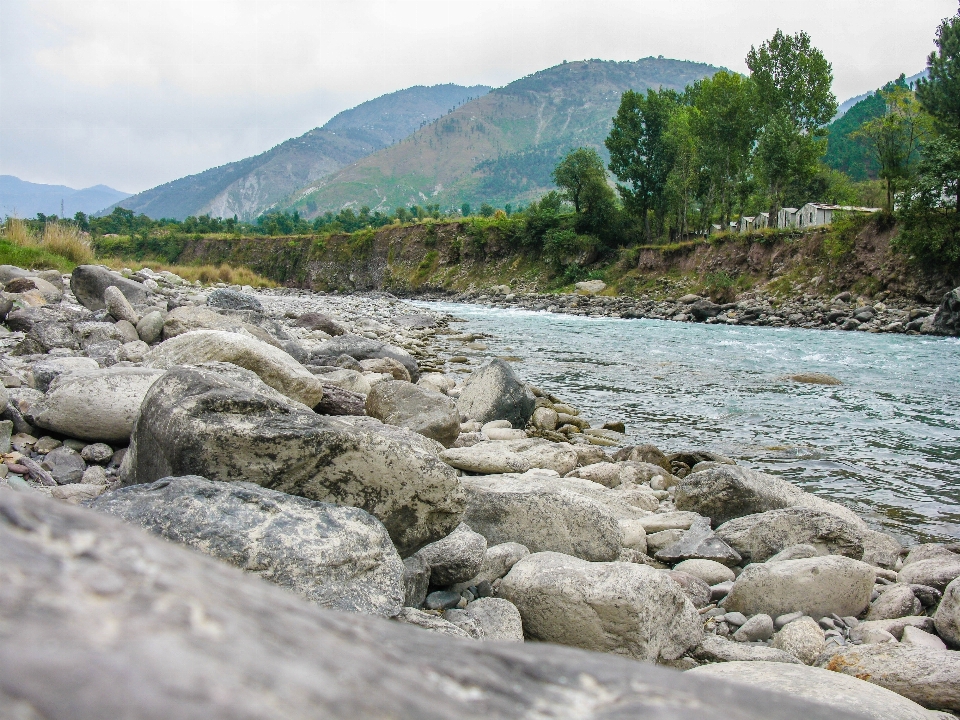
column 248, row 187
column 851, row 155
column 501, row 147
column 26, row 199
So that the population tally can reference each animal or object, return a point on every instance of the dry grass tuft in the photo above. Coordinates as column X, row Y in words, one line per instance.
column 59, row 238
column 206, row 274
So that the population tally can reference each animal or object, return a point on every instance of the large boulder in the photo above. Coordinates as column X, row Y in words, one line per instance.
column 337, row 557
column 947, row 617
column 95, row 405
column 455, row 558
column 411, row 406
column 102, row 620
column 88, row 283
column 494, row 392
column 928, row 677
column 816, row 586
column 947, row 319
column 730, row 491
column 361, row 348
column 832, row 690
column 222, row 422
column 716, row 649
column 936, row 572
column 803, row 638
column 496, row 618
column 48, row 369
column 532, row 511
column 622, row 608
column 699, row 542
column 230, row 299
column 762, row 535
column 275, row 367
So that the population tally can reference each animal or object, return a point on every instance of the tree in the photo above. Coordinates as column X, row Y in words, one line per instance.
column 895, row 137
column 583, row 180
column 465, row 209
column 684, row 177
column 639, row 156
column 793, row 81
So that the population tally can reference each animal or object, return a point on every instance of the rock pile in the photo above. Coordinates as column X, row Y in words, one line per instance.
column 315, row 442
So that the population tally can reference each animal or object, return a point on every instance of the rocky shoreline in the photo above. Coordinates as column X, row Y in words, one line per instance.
column 758, row 308
column 328, row 445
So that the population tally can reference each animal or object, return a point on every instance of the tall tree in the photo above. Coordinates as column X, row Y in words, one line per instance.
column 583, row 180
column 793, row 81
column 684, row 177
column 639, row 156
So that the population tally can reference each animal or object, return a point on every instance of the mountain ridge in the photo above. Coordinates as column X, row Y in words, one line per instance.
column 25, row 199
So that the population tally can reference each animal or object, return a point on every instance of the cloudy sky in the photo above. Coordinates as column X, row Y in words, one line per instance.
column 133, row 93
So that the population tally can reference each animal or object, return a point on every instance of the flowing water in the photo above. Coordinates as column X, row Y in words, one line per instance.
column 885, row 443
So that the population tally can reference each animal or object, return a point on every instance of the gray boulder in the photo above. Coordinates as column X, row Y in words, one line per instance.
column 416, row 581
column 710, row 571
column 730, row 491
column 319, row 321
column 491, row 458
column 699, row 542
column 337, row 557
column 493, row 392
column 436, row 624
column 65, row 464
column 896, row 601
column 833, row 691
column 47, row 370
column 532, row 511
column 928, row 677
column 361, row 348
column 947, row 319
column 118, row 306
column 337, row 401
column 496, row 619
column 455, row 558
column 411, row 406
column 222, row 422
column 96, row 405
column 70, row 575
column 93, row 333
column 89, row 282
column 816, row 586
column 150, row 327
column 229, row 299
column 760, row 536
column 497, row 561
column 43, row 337
column 947, row 617
column 936, row 572
column 715, row 649
column 272, row 365
column 803, row 638
column 622, row 608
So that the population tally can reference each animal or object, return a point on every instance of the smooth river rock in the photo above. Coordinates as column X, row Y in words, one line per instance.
column 88, row 283
column 221, row 422
column 947, row 617
column 621, row 608
column 494, row 392
column 337, row 557
column 411, row 406
column 455, row 558
column 760, row 536
column 361, row 348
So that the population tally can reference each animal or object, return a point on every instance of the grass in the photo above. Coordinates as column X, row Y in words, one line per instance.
column 206, row 274
column 32, row 258
column 61, row 245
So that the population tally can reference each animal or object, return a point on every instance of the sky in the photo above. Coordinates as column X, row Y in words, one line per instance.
column 134, row 93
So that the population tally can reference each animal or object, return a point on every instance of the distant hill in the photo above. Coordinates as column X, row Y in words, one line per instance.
column 850, row 155
column 248, row 187
column 26, row 199
column 500, row 148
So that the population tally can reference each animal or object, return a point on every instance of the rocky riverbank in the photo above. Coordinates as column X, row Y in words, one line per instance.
column 335, row 446
column 756, row 308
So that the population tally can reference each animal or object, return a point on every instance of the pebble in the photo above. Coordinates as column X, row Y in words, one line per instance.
column 443, row 600
column 782, row 620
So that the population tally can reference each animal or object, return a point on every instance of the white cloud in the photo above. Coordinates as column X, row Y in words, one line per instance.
column 137, row 92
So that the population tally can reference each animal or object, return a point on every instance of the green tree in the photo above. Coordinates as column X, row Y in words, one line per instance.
column 795, row 102
column 465, row 210
column 583, row 180
column 895, row 137
column 684, row 177
column 487, row 210
column 640, row 157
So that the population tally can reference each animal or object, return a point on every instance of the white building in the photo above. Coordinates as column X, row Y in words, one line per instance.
column 817, row 214
column 746, row 224
column 787, row 218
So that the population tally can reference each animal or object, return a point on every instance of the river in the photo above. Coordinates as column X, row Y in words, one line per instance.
column 885, row 443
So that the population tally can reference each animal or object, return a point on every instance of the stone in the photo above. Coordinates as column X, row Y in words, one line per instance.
column 442, row 600
column 894, row 627
column 68, row 570
column 65, row 465
column 759, row 627
column 361, row 348
column 229, row 299
column 6, row 433
column 150, row 327
column 936, row 572
column 47, row 370
column 794, row 552
column 77, row 493
column 663, row 539
column 455, row 558
column 134, row 351
column 118, row 306
column 498, row 619
column 272, row 365
column 416, row 581
column 560, row 457
column 817, row 586
column 222, row 422
column 92, row 334
column 188, row 318
column 699, row 542
column 545, row 418
column 802, row 638
column 541, row 515
column 947, row 617
column 760, row 536
column 89, row 283
column 337, row 557
column 46, row 336
column 489, row 458
column 94, row 475
column 928, row 677
column 436, row 382
column 337, row 401
column 715, row 649
column 919, row 638
column 786, row 619
column 604, row 473
column 46, row 444
column 590, row 287
column 493, row 392
column 731, row 491
column 94, row 405
column 696, row 590
column 646, row 454
column 319, row 321
column 946, row 321
column 704, row 309
column 880, row 549
column 669, row 521
column 622, row 608
column 815, row 378
column 497, row 561
column 421, row 410
column 835, row 693
column 349, row 380
column 896, row 601
column 431, row 622
column 710, row 571
column 928, row 551
column 388, row 366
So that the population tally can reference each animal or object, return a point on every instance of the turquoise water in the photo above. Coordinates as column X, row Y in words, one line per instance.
column 886, row 442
